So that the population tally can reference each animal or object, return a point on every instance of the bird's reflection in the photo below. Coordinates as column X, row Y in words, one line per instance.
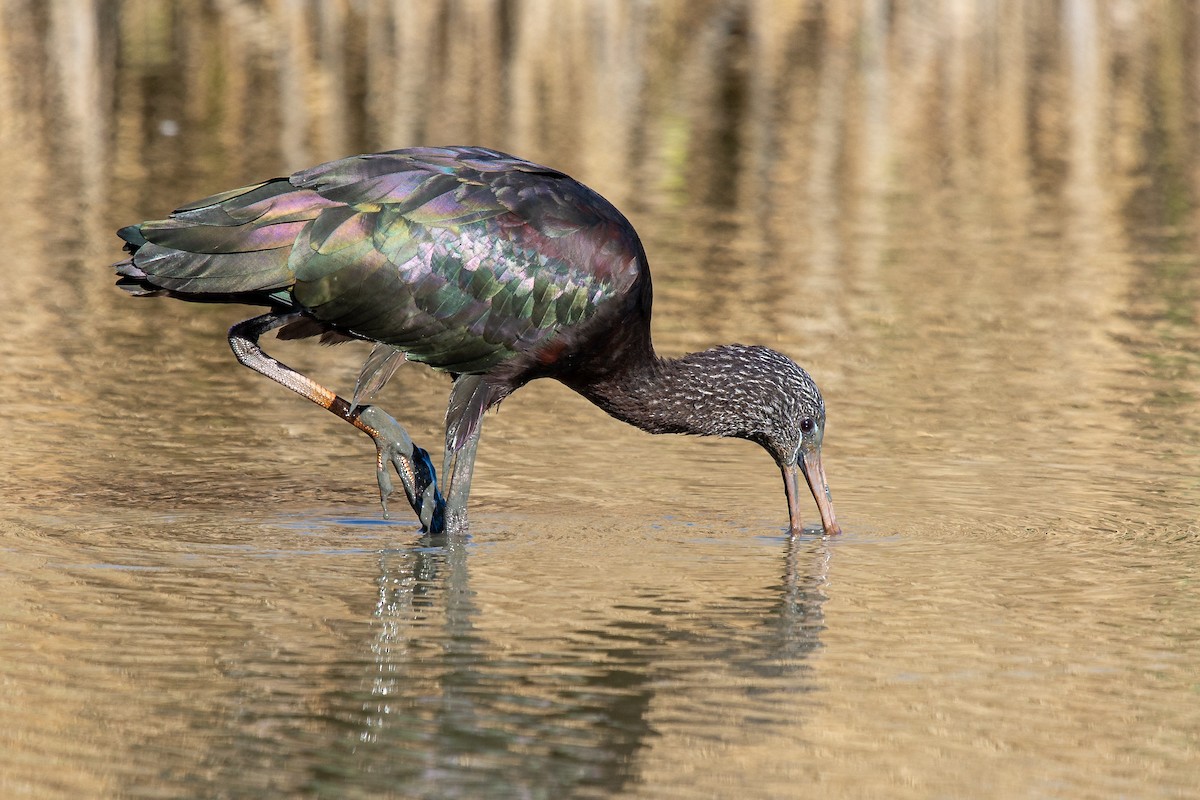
column 799, row 617
column 452, row 713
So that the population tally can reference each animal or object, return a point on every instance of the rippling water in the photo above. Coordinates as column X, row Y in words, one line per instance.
column 976, row 225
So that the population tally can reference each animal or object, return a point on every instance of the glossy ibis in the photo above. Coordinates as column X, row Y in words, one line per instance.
column 488, row 267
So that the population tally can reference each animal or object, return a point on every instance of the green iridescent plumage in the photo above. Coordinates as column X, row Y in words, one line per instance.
column 461, row 257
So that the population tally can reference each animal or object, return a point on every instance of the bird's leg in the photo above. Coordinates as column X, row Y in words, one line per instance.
column 412, row 463
column 458, row 466
column 469, row 399
column 392, row 443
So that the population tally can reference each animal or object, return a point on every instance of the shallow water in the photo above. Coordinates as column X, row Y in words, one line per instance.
column 977, row 229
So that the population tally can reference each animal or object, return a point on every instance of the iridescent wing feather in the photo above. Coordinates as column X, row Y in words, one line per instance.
column 233, row 243
column 460, row 257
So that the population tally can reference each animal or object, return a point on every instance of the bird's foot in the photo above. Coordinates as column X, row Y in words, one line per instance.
column 395, row 448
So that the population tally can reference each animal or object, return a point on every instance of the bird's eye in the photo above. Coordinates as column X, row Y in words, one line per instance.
column 807, row 424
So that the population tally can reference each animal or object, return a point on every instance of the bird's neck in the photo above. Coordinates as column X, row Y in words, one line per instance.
column 689, row 395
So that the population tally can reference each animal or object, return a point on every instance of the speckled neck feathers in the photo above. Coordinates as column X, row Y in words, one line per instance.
column 741, row 391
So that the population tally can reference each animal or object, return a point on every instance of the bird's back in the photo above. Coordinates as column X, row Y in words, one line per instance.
column 462, row 257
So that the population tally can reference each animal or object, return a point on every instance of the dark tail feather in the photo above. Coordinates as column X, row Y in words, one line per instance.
column 132, row 235
column 129, row 277
column 231, row 247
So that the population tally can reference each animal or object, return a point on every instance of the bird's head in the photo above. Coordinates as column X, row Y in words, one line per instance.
column 792, row 431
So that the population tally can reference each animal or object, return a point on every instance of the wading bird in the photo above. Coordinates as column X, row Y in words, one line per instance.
column 488, row 267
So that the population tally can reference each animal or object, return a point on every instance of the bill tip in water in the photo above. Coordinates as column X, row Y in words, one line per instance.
column 834, row 529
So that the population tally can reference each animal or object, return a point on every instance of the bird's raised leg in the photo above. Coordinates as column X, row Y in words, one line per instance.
column 392, row 443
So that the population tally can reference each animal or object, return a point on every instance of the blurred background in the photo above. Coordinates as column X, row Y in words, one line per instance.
column 974, row 222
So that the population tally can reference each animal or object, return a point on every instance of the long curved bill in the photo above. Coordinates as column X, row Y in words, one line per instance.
column 814, row 475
